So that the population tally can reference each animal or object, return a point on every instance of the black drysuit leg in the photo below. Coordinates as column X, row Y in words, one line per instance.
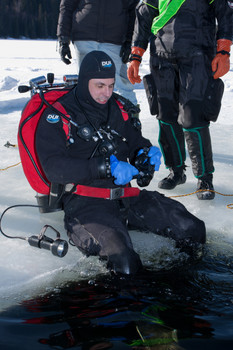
column 172, row 145
column 154, row 212
column 181, row 89
column 97, row 227
column 200, row 151
column 171, row 136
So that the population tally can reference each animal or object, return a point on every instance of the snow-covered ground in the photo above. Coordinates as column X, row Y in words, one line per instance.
column 25, row 270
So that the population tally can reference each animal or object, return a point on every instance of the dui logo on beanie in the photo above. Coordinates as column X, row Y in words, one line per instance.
column 53, row 118
column 106, row 64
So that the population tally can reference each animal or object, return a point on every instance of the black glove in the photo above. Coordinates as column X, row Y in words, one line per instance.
column 64, row 50
column 125, row 51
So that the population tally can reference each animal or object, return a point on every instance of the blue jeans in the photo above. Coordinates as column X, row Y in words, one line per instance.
column 122, row 84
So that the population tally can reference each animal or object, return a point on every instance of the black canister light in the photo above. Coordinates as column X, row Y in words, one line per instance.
column 58, row 247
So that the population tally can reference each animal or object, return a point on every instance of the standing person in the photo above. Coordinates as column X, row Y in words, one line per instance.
column 105, row 25
column 103, row 152
column 188, row 55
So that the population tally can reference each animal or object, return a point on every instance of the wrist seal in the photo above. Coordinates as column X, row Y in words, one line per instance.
column 223, row 52
column 64, row 39
column 134, row 57
column 104, row 168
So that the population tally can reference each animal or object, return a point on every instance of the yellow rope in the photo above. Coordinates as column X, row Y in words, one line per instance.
column 229, row 206
column 10, row 166
column 8, row 144
column 205, row 190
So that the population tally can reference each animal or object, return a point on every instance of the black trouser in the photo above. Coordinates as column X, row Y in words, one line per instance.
column 99, row 226
column 181, row 89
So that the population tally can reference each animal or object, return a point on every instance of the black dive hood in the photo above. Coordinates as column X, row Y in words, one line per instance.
column 96, row 64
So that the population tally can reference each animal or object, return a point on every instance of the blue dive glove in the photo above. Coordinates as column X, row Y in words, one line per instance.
column 155, row 156
column 122, row 171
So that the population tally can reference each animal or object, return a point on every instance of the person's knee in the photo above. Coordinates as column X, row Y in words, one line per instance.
column 197, row 232
column 168, row 110
column 190, row 228
column 190, row 238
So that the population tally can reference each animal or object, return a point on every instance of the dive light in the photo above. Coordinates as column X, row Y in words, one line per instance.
column 58, row 247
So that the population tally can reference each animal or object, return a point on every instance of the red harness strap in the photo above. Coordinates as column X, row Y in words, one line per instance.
column 107, row 193
column 123, row 112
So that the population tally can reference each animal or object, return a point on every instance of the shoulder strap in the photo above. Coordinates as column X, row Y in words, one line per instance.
column 126, row 105
column 123, row 112
column 65, row 122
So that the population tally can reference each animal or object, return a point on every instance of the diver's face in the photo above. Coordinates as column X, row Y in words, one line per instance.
column 101, row 89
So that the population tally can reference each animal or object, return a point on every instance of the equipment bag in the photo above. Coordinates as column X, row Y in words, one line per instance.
column 151, row 93
column 213, row 98
column 26, row 139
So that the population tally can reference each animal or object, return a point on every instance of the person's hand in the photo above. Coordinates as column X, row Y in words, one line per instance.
column 221, row 62
column 155, row 157
column 133, row 72
column 122, row 171
column 147, row 161
column 64, row 50
column 135, row 61
column 125, row 51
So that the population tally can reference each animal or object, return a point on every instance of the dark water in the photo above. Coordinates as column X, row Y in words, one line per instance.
column 186, row 307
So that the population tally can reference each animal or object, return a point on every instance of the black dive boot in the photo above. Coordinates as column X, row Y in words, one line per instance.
column 205, row 188
column 176, row 177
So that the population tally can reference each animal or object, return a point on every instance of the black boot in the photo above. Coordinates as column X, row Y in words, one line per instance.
column 176, row 177
column 205, row 188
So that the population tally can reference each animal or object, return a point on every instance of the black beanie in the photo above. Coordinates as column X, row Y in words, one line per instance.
column 95, row 65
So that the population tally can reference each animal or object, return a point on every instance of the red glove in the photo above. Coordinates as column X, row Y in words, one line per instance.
column 221, row 62
column 133, row 68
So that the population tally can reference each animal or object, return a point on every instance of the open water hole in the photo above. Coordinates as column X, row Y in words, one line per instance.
column 186, row 307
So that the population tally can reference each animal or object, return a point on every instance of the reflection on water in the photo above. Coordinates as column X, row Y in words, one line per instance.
column 188, row 307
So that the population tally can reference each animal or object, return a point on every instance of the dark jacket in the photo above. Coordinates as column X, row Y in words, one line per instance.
column 193, row 28
column 74, row 163
column 109, row 21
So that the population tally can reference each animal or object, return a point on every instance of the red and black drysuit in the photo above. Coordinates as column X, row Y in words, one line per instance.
column 181, row 51
column 98, row 226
